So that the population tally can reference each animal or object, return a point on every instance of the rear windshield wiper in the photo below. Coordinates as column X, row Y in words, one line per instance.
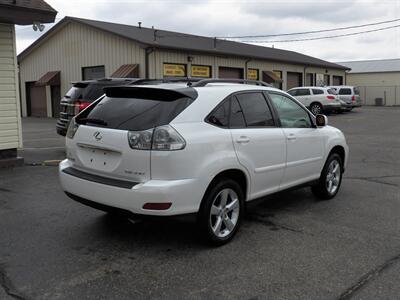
column 94, row 121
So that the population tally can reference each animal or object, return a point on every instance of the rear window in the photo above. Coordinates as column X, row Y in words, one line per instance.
column 74, row 93
column 134, row 113
column 86, row 92
column 345, row 91
column 332, row 91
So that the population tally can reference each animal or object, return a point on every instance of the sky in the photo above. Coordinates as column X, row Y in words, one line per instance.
column 221, row 18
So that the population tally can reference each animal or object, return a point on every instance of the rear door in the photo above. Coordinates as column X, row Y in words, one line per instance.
column 259, row 143
column 101, row 144
column 304, row 144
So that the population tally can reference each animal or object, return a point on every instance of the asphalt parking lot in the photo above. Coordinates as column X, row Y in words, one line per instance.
column 289, row 247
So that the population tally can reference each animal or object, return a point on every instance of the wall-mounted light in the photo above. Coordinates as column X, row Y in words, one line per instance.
column 37, row 25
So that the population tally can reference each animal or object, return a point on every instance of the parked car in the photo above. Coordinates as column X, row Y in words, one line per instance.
column 317, row 99
column 205, row 149
column 349, row 94
column 81, row 95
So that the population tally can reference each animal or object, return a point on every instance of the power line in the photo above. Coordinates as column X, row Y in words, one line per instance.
column 310, row 32
column 323, row 37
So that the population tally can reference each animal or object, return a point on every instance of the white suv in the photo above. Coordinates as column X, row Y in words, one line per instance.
column 172, row 149
column 317, row 99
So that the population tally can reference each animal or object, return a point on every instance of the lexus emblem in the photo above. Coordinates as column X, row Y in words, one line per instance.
column 97, row 136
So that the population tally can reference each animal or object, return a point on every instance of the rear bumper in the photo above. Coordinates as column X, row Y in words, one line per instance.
column 184, row 194
column 332, row 107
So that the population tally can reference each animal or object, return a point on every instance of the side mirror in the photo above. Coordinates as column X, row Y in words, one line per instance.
column 321, row 120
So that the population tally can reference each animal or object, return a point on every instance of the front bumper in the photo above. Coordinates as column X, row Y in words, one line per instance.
column 184, row 194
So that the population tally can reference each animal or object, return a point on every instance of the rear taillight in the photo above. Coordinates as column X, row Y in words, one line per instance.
column 329, row 97
column 72, row 128
column 79, row 106
column 353, row 98
column 163, row 138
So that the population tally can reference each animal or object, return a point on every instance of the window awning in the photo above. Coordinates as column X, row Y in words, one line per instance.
column 272, row 76
column 126, row 71
column 50, row 78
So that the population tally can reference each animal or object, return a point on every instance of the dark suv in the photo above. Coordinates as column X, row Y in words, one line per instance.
column 81, row 95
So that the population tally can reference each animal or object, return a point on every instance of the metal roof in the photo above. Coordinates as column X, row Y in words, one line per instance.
column 158, row 38
column 373, row 66
column 24, row 12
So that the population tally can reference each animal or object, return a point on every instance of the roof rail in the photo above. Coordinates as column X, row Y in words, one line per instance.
column 167, row 80
column 204, row 82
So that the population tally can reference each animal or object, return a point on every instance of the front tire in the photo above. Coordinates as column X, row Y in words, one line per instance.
column 331, row 177
column 221, row 211
column 316, row 108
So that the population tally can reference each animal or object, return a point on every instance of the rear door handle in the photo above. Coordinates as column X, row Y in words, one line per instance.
column 243, row 140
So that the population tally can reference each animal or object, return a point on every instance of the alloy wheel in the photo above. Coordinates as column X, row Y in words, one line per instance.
column 333, row 177
column 224, row 212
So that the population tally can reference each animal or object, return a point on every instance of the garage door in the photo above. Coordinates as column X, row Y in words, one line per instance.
column 38, row 101
column 294, row 80
column 234, row 73
column 337, row 80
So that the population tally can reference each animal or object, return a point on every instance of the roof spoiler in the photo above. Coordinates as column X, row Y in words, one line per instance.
column 150, row 93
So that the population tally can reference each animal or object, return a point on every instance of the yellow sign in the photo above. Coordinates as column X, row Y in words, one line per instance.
column 278, row 74
column 252, row 74
column 174, row 70
column 201, row 71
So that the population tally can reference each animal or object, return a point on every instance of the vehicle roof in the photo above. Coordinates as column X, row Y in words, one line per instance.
column 311, row 87
column 105, row 80
column 342, row 86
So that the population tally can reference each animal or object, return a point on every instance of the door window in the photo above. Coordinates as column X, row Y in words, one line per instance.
column 303, row 92
column 291, row 114
column 255, row 110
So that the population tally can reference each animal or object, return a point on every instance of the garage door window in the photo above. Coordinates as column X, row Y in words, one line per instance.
column 96, row 72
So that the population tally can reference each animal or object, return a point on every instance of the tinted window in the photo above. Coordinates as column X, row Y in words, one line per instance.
column 317, row 91
column 292, row 92
column 332, row 91
column 220, row 116
column 345, row 92
column 133, row 113
column 237, row 119
column 255, row 110
column 303, row 92
column 291, row 114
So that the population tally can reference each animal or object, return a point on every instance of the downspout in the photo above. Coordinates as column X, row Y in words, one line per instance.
column 148, row 51
column 245, row 68
column 304, row 76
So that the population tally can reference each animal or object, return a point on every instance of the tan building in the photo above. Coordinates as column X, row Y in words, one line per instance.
column 376, row 79
column 22, row 13
column 79, row 49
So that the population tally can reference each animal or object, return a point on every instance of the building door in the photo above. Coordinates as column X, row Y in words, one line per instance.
column 232, row 73
column 337, row 80
column 37, row 100
column 55, row 100
column 294, row 79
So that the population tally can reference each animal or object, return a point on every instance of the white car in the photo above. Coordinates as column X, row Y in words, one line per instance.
column 317, row 99
column 207, row 149
column 348, row 94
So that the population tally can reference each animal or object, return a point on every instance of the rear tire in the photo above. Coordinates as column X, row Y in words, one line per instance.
column 316, row 108
column 221, row 211
column 331, row 177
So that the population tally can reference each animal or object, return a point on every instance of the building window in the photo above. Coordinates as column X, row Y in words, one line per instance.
column 200, row 71
column 252, row 74
column 96, row 72
column 174, row 70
